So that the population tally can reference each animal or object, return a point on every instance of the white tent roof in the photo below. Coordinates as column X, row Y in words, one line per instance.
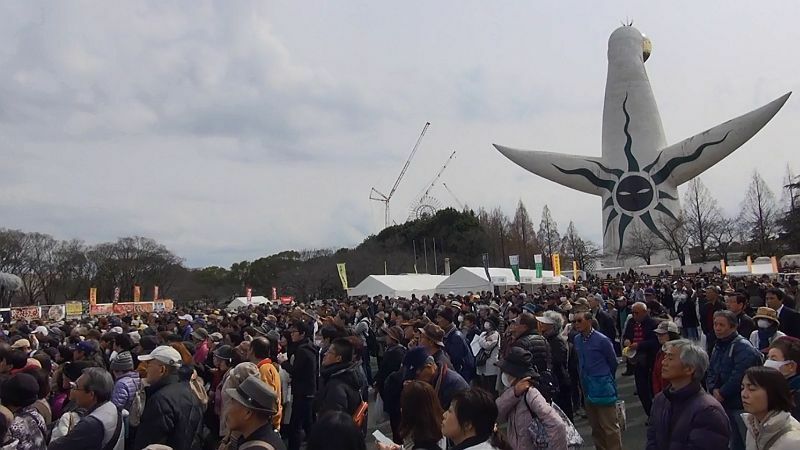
column 397, row 285
column 474, row 279
column 238, row 302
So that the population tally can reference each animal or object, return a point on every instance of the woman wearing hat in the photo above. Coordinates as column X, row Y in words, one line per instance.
column 767, row 323
column 522, row 402
column 489, row 341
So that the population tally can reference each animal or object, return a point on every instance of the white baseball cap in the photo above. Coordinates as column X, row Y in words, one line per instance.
column 546, row 320
column 41, row 329
column 186, row 317
column 164, row 354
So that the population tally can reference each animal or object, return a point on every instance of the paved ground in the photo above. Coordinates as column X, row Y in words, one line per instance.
column 634, row 437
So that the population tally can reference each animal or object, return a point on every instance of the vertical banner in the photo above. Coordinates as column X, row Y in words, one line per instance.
column 537, row 262
column 485, row 258
column 447, row 267
column 93, row 296
column 514, row 261
column 274, row 293
column 155, row 293
column 774, row 262
column 749, row 264
column 116, row 294
column 722, row 267
column 575, row 271
column 556, row 265
column 137, row 293
column 343, row 274
column 249, row 295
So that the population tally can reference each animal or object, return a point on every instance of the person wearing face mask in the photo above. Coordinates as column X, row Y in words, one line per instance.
column 489, row 341
column 521, row 402
column 469, row 327
column 783, row 356
column 767, row 331
column 550, row 324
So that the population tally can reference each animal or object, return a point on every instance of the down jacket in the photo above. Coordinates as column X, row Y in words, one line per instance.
column 172, row 415
column 512, row 409
column 340, row 388
column 125, row 389
column 688, row 418
column 539, row 348
column 731, row 357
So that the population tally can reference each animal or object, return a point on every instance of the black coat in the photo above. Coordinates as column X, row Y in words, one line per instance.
column 605, row 324
column 649, row 346
column 340, row 388
column 559, row 351
column 172, row 415
column 746, row 325
column 539, row 349
column 790, row 322
column 707, row 311
column 303, row 366
column 392, row 360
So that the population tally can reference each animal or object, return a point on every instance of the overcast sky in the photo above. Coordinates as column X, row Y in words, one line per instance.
column 231, row 130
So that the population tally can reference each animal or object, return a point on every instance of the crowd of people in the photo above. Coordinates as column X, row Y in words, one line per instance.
column 716, row 364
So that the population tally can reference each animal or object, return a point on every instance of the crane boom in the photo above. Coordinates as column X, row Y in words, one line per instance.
column 439, row 174
column 408, row 161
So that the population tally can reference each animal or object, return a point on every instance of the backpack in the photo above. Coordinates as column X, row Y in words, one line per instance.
column 137, row 406
column 755, row 351
column 199, row 389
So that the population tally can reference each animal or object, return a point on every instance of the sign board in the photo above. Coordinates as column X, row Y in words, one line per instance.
column 133, row 307
column 53, row 312
column 74, row 309
column 159, row 307
column 287, row 300
column 25, row 313
column 5, row 315
column 101, row 309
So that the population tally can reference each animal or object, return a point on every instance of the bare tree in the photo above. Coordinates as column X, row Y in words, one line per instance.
column 523, row 236
column 723, row 236
column 701, row 214
column 641, row 243
column 549, row 238
column 675, row 236
column 584, row 252
column 760, row 213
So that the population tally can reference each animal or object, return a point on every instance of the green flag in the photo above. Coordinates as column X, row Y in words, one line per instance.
column 514, row 261
column 537, row 260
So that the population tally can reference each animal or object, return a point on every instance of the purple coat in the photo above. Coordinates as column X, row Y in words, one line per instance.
column 125, row 389
column 687, row 419
column 512, row 409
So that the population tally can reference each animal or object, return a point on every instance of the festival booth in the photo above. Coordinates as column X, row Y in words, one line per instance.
column 239, row 302
column 527, row 277
column 403, row 285
column 473, row 279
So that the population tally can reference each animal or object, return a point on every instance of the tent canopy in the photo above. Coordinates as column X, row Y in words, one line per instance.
column 473, row 279
column 528, row 276
column 397, row 285
column 238, row 302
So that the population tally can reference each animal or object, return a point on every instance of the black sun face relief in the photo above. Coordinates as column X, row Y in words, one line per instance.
column 635, row 192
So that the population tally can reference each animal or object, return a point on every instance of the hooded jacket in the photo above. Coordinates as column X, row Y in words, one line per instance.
column 340, row 388
column 727, row 367
column 688, row 418
column 512, row 409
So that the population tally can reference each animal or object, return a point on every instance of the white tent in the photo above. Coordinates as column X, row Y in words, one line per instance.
column 528, row 276
column 238, row 302
column 474, row 279
column 397, row 285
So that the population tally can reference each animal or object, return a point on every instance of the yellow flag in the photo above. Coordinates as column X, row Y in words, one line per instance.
column 556, row 265
column 342, row 275
column 575, row 271
column 92, row 296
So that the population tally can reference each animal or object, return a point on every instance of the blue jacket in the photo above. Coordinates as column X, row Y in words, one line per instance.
column 449, row 385
column 688, row 418
column 727, row 367
column 459, row 353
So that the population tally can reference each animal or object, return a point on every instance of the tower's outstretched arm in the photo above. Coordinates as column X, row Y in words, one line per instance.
column 582, row 173
column 687, row 159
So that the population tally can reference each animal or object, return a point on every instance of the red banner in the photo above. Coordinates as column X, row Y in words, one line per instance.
column 287, row 300
column 25, row 313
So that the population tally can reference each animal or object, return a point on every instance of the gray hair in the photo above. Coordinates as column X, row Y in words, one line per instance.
column 556, row 317
column 691, row 355
column 729, row 316
column 99, row 381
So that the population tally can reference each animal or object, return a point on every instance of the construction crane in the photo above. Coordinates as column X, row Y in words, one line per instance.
column 377, row 195
column 460, row 205
column 427, row 205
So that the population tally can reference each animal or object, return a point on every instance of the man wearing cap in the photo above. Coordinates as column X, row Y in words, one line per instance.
column 707, row 310
column 172, row 413
column 418, row 365
column 201, row 348
column 431, row 338
column 251, row 414
column 22, row 345
column 185, row 324
column 459, row 352
column 260, row 354
column 103, row 425
column 550, row 325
